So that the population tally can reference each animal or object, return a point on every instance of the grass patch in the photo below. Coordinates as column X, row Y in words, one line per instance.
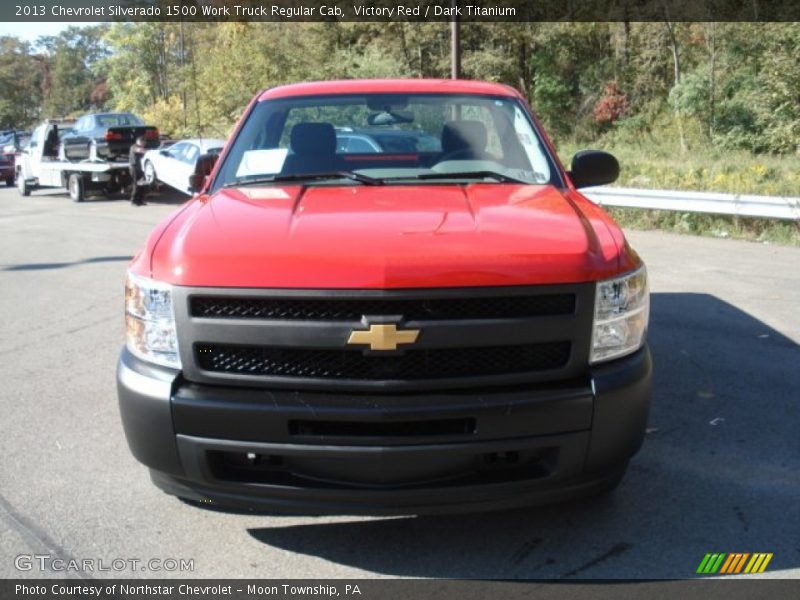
column 649, row 165
column 719, row 226
column 705, row 169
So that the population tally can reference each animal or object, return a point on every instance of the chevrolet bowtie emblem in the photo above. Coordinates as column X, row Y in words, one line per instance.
column 382, row 337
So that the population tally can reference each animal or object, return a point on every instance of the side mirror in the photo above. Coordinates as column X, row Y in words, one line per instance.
column 593, row 167
column 164, row 152
column 202, row 169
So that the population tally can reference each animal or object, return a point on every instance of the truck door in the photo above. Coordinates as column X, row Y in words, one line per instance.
column 31, row 157
column 44, row 161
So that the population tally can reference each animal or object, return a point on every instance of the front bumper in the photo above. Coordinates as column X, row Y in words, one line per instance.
column 412, row 453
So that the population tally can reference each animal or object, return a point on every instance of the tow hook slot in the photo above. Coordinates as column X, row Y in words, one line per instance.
column 500, row 459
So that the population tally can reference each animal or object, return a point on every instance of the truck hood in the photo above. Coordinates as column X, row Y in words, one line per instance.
column 410, row 236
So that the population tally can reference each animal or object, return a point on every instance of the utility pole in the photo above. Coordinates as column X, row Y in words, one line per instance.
column 183, row 73
column 455, row 43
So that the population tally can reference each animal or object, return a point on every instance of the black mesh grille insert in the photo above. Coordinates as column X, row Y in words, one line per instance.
column 384, row 429
column 354, row 365
column 342, row 309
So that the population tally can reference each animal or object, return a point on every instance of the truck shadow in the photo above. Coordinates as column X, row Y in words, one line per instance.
column 165, row 195
column 717, row 473
column 63, row 265
column 160, row 195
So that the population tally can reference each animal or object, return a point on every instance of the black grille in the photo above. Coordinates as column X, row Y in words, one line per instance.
column 342, row 309
column 385, row 429
column 354, row 365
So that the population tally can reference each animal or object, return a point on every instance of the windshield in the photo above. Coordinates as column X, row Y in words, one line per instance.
column 390, row 138
column 118, row 120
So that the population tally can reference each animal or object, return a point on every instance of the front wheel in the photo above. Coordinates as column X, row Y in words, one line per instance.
column 9, row 182
column 22, row 186
column 149, row 173
column 76, row 191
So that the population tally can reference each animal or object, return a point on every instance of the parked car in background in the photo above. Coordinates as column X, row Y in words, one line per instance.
column 7, row 169
column 374, row 140
column 105, row 136
column 11, row 142
column 174, row 165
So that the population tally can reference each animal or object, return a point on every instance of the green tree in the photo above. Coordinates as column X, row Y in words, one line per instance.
column 74, row 59
column 21, row 82
column 778, row 106
column 732, row 84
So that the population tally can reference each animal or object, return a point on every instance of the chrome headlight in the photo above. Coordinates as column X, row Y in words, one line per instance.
column 150, row 321
column 621, row 314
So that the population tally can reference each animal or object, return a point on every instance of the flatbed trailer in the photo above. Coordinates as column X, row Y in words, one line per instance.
column 80, row 178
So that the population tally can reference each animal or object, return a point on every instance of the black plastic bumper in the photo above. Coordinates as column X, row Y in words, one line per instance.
column 315, row 452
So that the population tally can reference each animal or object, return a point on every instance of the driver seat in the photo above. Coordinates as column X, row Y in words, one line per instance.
column 313, row 149
column 465, row 140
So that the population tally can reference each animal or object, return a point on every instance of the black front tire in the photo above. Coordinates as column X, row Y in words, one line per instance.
column 22, row 186
column 76, row 189
column 9, row 182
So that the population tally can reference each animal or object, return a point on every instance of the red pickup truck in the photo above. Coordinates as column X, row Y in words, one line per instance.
column 387, row 297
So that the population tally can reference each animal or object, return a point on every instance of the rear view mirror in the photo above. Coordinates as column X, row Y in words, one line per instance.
column 387, row 102
column 202, row 169
column 390, row 117
column 593, row 167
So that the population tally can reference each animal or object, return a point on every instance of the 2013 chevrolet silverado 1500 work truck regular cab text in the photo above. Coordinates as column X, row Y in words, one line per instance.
column 387, row 297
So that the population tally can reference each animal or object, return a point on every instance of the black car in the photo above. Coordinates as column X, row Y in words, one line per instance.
column 105, row 136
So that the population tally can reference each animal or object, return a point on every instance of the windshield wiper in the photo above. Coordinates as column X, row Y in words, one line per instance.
column 472, row 175
column 352, row 175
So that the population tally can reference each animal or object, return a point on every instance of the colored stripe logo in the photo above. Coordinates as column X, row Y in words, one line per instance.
column 732, row 563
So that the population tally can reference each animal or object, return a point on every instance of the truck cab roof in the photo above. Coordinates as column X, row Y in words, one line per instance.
column 390, row 86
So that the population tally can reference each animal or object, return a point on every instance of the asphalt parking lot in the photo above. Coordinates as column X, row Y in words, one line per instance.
column 718, row 471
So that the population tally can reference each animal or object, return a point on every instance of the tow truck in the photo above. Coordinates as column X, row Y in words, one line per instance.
column 39, row 166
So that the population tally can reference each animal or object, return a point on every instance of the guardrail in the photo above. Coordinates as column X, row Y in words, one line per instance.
column 770, row 207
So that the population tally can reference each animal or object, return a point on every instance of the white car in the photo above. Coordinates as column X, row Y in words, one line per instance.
column 174, row 165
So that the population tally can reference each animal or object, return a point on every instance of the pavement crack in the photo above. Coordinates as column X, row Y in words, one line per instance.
column 36, row 537
column 616, row 550
column 47, row 338
column 521, row 553
column 742, row 518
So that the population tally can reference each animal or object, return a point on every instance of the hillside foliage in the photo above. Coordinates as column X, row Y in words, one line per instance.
column 680, row 86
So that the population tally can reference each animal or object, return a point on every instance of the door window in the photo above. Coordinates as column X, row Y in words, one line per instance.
column 176, row 151
column 190, row 155
column 36, row 136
